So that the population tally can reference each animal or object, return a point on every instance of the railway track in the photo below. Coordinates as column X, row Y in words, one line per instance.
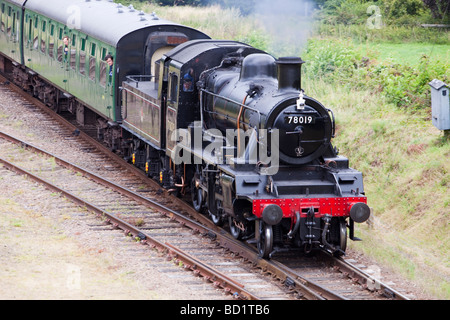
column 169, row 232
column 159, row 227
column 293, row 279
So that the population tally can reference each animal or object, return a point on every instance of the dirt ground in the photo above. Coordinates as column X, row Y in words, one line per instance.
column 46, row 253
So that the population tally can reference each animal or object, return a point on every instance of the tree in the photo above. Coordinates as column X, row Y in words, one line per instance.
column 440, row 9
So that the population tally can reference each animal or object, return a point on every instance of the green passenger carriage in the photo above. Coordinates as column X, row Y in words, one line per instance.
column 76, row 77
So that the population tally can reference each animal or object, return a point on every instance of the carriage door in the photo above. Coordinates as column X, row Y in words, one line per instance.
column 172, row 108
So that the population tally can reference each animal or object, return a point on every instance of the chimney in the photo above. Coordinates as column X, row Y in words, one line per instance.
column 289, row 73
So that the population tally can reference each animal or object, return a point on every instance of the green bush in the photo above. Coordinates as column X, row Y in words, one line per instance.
column 382, row 20
column 345, row 12
column 333, row 60
column 350, row 12
column 394, row 9
column 341, row 62
column 408, row 87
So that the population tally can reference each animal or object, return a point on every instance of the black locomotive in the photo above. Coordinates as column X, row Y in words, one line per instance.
column 252, row 148
column 218, row 119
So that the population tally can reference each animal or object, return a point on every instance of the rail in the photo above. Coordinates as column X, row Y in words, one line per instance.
column 139, row 78
column 305, row 287
column 191, row 263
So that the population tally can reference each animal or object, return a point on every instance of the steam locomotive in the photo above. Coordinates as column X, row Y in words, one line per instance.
column 218, row 119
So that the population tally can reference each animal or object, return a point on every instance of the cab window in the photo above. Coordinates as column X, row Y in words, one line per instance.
column 173, row 87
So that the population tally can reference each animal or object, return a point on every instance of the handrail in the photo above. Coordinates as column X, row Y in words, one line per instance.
column 139, row 78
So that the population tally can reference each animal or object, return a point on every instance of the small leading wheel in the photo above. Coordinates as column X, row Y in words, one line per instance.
column 196, row 191
column 338, row 234
column 196, row 196
column 265, row 243
column 217, row 216
column 235, row 231
column 343, row 235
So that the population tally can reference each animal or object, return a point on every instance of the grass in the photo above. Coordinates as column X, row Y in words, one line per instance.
column 405, row 164
column 408, row 54
column 387, row 34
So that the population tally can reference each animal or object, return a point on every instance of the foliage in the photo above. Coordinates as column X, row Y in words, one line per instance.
column 398, row 8
column 393, row 33
column 341, row 62
column 405, row 86
column 333, row 60
column 340, row 11
column 346, row 12
column 440, row 9
column 392, row 12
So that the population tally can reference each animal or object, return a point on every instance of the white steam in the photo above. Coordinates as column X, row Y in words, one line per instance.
column 288, row 22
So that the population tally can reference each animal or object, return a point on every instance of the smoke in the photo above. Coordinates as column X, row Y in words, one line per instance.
column 288, row 22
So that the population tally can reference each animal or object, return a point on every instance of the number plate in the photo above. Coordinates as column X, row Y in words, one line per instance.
column 300, row 119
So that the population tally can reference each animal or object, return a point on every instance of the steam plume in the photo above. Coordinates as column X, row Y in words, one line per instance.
column 289, row 23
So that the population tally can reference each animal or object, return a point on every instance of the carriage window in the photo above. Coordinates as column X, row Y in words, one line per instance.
column 92, row 62
column 60, row 51
column 73, row 57
column 93, row 48
column 92, row 67
column 103, row 73
column 51, row 41
column 73, row 53
column 83, row 44
column 2, row 18
column 8, row 24
column 43, row 45
column 83, row 57
column 51, row 47
column 30, row 31
column 36, row 34
column 43, row 37
column 104, row 53
column 59, row 54
column 14, row 25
